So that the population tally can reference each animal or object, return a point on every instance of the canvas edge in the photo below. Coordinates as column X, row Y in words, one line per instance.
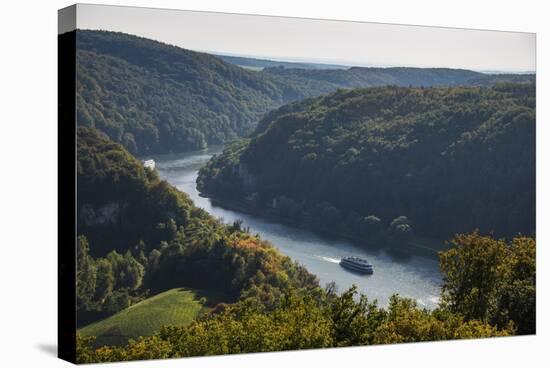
column 66, row 202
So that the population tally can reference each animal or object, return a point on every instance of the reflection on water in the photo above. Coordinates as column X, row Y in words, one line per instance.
column 415, row 277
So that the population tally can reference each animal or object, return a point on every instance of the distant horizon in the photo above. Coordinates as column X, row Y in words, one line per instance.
column 345, row 43
column 313, row 61
column 316, row 61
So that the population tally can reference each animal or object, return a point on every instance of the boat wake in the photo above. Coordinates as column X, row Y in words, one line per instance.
column 329, row 259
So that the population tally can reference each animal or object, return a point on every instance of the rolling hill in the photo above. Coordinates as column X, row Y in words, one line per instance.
column 158, row 98
column 448, row 159
column 259, row 64
column 138, row 235
column 175, row 307
column 361, row 77
column 155, row 98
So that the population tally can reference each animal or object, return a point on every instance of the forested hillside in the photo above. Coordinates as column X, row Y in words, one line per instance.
column 157, row 98
column 139, row 237
column 259, row 64
column 436, row 153
column 384, row 163
column 361, row 77
column 495, row 299
column 154, row 97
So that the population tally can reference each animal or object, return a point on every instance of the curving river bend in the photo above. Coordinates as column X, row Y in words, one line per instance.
column 415, row 277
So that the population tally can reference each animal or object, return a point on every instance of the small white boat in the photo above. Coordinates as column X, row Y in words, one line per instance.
column 149, row 164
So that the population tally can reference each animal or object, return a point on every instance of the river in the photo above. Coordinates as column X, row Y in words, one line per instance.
column 415, row 277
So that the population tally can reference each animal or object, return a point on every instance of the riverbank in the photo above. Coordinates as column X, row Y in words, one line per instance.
column 413, row 275
column 417, row 246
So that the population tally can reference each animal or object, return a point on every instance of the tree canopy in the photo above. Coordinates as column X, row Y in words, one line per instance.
column 271, row 304
column 158, row 98
column 298, row 322
column 379, row 164
column 140, row 235
column 491, row 280
column 448, row 159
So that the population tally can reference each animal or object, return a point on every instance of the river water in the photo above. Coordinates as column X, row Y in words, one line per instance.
column 415, row 277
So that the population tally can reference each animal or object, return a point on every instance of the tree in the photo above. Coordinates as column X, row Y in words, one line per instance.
column 405, row 322
column 297, row 323
column 105, row 280
column 399, row 232
column 156, row 106
column 330, row 216
column 117, row 301
column 127, row 271
column 288, row 208
column 86, row 275
column 300, row 321
column 442, row 156
column 138, row 252
column 143, row 348
column 473, row 275
column 491, row 280
column 133, row 272
column 353, row 322
column 371, row 228
column 518, row 302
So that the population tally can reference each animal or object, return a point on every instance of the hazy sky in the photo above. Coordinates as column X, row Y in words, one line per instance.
column 297, row 39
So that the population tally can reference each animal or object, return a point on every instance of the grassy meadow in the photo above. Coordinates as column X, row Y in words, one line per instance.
column 173, row 307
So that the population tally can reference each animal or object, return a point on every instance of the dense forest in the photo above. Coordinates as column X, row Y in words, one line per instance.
column 384, row 163
column 157, row 98
column 139, row 236
column 496, row 297
column 440, row 153
column 360, row 77
column 259, row 64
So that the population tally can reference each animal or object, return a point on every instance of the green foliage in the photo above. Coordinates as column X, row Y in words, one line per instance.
column 297, row 323
column 353, row 322
column 138, row 234
column 105, row 285
column 259, row 64
column 161, row 240
column 156, row 98
column 115, row 302
column 86, row 275
column 449, row 159
column 143, row 348
column 236, row 263
column 307, row 318
column 399, row 231
column 119, row 203
column 128, row 272
column 172, row 307
column 405, row 322
column 300, row 321
column 360, row 77
column 491, row 280
column 105, row 279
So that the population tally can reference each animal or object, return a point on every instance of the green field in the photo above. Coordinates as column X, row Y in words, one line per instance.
column 173, row 307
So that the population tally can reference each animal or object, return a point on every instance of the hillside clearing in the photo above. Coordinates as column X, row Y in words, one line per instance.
column 173, row 307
